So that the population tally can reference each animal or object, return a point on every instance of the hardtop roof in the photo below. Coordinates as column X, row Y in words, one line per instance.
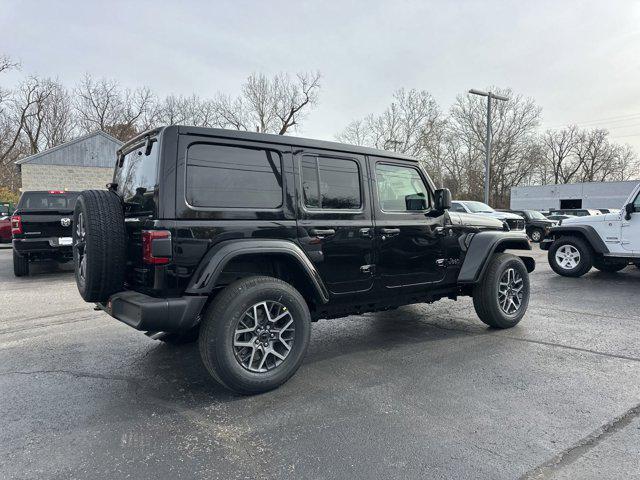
column 287, row 140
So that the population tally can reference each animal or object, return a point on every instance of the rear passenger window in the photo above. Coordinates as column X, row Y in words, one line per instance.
column 400, row 189
column 221, row 176
column 330, row 183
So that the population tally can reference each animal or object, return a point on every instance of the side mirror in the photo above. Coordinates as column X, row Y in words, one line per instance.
column 442, row 199
column 629, row 208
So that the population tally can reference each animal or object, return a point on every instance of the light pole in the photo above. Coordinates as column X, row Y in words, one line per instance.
column 487, row 140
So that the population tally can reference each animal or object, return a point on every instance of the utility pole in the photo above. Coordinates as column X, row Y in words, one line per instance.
column 487, row 140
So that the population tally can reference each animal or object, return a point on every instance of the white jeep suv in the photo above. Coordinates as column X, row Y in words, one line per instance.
column 608, row 242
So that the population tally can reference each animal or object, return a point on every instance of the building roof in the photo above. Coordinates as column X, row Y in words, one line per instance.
column 95, row 149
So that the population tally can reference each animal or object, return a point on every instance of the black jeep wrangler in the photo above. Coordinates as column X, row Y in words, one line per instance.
column 241, row 240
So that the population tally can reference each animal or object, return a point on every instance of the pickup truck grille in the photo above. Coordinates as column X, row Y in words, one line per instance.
column 515, row 224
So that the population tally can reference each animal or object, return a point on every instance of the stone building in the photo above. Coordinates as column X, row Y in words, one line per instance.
column 83, row 163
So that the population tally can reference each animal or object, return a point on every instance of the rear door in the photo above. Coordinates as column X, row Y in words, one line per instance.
column 410, row 244
column 335, row 227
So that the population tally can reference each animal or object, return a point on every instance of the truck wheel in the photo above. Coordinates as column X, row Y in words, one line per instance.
column 20, row 265
column 536, row 235
column 254, row 334
column 570, row 257
column 502, row 296
column 99, row 244
column 608, row 267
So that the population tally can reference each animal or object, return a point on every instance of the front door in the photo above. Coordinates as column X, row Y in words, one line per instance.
column 630, row 229
column 335, row 226
column 410, row 244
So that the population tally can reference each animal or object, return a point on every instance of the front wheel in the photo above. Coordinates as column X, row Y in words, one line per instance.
column 570, row 257
column 255, row 334
column 501, row 298
column 536, row 235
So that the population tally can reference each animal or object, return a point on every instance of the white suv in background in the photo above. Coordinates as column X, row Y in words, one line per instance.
column 515, row 222
column 608, row 242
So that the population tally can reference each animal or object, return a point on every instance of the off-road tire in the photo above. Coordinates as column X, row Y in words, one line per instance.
column 105, row 244
column 608, row 267
column 536, row 235
column 20, row 265
column 485, row 292
column 218, row 327
column 586, row 257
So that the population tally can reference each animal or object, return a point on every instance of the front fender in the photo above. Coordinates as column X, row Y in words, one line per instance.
column 483, row 245
column 214, row 261
column 586, row 231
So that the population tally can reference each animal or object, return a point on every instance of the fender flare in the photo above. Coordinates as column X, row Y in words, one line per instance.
column 587, row 231
column 214, row 261
column 485, row 244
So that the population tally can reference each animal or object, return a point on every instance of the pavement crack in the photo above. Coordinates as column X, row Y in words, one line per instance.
column 574, row 452
column 538, row 342
column 73, row 374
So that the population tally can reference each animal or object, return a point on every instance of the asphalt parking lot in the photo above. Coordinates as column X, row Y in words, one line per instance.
column 425, row 391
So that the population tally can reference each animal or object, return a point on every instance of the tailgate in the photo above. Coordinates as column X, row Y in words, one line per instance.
column 45, row 225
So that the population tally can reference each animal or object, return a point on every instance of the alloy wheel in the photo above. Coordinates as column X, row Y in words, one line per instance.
column 264, row 336
column 568, row 257
column 510, row 291
column 80, row 247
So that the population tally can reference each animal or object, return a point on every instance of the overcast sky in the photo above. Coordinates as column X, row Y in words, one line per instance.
column 580, row 61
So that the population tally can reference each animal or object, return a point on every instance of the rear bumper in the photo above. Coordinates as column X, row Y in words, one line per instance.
column 146, row 313
column 41, row 245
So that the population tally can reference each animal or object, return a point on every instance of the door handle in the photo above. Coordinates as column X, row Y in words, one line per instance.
column 390, row 231
column 322, row 232
column 365, row 232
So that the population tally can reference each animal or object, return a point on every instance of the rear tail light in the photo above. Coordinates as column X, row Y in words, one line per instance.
column 16, row 225
column 156, row 247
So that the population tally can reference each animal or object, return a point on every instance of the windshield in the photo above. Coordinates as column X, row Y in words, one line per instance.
column 136, row 179
column 47, row 201
column 536, row 215
column 478, row 207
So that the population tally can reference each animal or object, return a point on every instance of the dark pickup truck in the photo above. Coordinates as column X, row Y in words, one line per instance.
column 41, row 228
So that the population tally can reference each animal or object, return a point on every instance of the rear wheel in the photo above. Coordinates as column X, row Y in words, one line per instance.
column 609, row 267
column 501, row 298
column 20, row 265
column 255, row 334
column 570, row 257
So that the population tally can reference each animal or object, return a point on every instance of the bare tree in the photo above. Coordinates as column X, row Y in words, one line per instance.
column 559, row 153
column 181, row 110
column 514, row 123
column 269, row 105
column 102, row 105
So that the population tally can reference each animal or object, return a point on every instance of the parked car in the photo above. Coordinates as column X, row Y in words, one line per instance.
column 515, row 222
column 41, row 228
column 535, row 223
column 608, row 210
column 5, row 229
column 575, row 212
column 607, row 242
column 243, row 239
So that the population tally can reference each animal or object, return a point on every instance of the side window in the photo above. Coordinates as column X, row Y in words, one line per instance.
column 330, row 183
column 220, row 176
column 400, row 189
column 456, row 207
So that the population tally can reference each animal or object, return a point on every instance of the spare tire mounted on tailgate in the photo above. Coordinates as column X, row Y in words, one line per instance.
column 99, row 244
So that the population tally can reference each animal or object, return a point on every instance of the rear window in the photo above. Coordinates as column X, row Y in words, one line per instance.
column 330, row 183
column 220, row 176
column 47, row 201
column 137, row 179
